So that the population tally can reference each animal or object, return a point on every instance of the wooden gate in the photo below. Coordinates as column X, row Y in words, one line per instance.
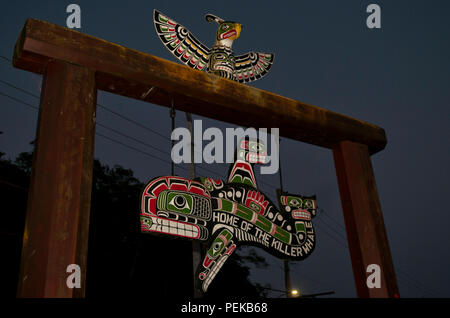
column 75, row 66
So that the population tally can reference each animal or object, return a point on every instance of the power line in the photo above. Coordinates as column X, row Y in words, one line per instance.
column 99, row 124
column 113, row 140
column 106, row 127
column 133, row 121
column 402, row 275
column 306, row 276
column 127, row 119
column 339, row 237
column 410, row 285
column 416, row 282
column 132, row 138
column 332, row 236
column 13, row 185
column 324, row 213
column 120, row 143
column 19, row 101
column 406, row 278
column 135, row 149
column 5, row 58
column 19, row 88
column 100, row 105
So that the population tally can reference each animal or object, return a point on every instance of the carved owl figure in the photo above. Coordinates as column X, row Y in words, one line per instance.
column 219, row 59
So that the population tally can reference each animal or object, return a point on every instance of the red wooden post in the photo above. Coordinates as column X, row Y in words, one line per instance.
column 57, row 223
column 366, row 233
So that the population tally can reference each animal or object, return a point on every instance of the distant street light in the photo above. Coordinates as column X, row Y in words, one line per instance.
column 295, row 293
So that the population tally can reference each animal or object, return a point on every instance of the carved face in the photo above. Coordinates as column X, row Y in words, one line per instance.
column 301, row 207
column 252, row 151
column 219, row 244
column 302, row 210
column 222, row 61
column 228, row 30
column 176, row 206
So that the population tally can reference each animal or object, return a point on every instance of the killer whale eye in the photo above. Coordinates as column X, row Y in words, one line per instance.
column 308, row 204
column 180, row 203
column 294, row 202
column 217, row 247
column 301, row 236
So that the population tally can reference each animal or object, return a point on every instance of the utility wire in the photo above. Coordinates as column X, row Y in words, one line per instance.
column 337, row 240
column 323, row 212
column 136, row 149
column 411, row 285
column 133, row 122
column 116, row 141
column 414, row 282
column 132, row 138
column 99, row 105
column 19, row 101
column 5, row 58
column 19, row 88
column 117, row 132
column 104, row 126
column 307, row 277
column 116, row 114
column 129, row 120
column 337, row 235
column 401, row 274
column 419, row 284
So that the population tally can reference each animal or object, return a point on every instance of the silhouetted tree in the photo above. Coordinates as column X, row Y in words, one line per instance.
column 121, row 260
column 14, row 192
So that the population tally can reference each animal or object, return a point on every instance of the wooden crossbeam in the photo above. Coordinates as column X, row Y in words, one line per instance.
column 131, row 73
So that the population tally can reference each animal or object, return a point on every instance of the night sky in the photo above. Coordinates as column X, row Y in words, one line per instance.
column 396, row 77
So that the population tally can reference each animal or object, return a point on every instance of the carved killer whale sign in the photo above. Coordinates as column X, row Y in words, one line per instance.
column 227, row 214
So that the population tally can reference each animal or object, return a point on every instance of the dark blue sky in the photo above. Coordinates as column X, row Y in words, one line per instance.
column 396, row 77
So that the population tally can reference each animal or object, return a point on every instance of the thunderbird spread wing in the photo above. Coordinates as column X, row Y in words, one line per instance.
column 180, row 42
column 252, row 66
